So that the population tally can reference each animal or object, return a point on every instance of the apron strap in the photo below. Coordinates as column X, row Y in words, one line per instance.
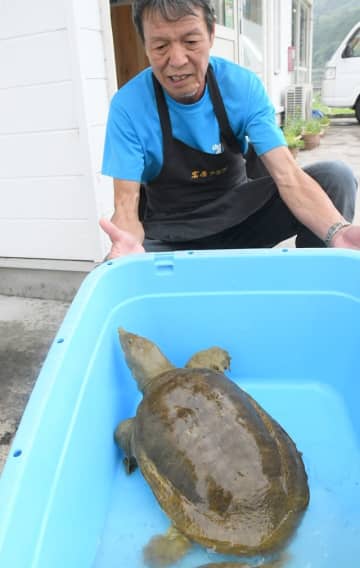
column 163, row 113
column 219, row 108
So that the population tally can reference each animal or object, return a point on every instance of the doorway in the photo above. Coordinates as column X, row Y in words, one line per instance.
column 130, row 57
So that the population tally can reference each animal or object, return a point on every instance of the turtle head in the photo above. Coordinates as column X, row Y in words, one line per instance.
column 143, row 358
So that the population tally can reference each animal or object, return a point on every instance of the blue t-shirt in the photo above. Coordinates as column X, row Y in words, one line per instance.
column 133, row 143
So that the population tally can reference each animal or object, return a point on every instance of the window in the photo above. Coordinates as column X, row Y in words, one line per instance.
column 353, row 46
column 224, row 10
column 252, row 11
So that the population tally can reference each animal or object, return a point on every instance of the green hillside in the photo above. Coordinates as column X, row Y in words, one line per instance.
column 332, row 21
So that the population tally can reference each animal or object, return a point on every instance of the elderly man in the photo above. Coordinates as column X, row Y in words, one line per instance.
column 177, row 137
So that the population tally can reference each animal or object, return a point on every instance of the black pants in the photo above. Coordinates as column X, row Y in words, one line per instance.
column 274, row 222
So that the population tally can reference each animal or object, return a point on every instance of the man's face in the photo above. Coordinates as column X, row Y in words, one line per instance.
column 178, row 52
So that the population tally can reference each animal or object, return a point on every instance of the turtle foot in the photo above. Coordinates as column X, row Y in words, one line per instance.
column 164, row 550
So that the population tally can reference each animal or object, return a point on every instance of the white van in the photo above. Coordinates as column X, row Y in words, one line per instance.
column 341, row 84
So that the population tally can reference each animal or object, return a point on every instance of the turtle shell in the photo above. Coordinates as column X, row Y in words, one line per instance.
column 223, row 470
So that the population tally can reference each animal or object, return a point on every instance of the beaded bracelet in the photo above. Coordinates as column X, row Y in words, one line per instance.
column 332, row 232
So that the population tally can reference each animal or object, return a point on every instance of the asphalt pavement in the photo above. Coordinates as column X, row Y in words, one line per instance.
column 28, row 325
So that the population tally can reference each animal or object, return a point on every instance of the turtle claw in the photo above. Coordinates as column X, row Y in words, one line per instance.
column 123, row 436
column 130, row 464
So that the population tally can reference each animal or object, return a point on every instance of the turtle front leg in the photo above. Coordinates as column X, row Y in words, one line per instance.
column 164, row 550
column 214, row 358
column 124, row 437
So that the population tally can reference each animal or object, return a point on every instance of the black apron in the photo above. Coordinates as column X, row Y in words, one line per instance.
column 197, row 194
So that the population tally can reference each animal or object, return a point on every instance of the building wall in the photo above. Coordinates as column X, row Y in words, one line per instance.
column 53, row 104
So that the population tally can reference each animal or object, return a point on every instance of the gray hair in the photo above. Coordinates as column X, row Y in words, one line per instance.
column 172, row 10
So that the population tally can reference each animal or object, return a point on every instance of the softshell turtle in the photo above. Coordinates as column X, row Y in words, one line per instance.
column 225, row 472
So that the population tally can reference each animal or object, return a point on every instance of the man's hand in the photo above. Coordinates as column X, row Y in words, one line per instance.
column 347, row 237
column 123, row 242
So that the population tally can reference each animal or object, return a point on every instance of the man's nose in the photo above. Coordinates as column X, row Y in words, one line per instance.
column 177, row 55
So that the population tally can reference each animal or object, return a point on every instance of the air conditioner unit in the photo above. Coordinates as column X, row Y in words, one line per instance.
column 298, row 101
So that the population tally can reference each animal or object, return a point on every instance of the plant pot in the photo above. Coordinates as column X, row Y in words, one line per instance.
column 311, row 141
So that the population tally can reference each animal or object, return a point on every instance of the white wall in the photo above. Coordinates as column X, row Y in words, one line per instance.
column 53, row 108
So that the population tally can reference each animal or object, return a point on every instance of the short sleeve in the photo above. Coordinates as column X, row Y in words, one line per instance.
column 123, row 156
column 261, row 127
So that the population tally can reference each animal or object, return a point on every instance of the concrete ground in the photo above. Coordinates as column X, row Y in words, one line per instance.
column 341, row 142
column 28, row 326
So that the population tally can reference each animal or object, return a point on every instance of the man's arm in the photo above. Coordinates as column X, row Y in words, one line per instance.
column 306, row 199
column 126, row 208
column 125, row 229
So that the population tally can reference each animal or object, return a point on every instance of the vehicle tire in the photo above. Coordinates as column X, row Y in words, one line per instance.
column 357, row 109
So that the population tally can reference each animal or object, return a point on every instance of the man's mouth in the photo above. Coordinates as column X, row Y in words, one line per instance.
column 178, row 78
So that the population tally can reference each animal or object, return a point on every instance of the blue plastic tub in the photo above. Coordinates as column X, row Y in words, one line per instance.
column 290, row 320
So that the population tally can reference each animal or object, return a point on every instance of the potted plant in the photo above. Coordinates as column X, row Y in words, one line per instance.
column 311, row 133
column 325, row 123
column 295, row 143
column 293, row 127
column 293, row 135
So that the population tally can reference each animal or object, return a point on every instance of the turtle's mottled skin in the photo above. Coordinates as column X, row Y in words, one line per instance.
column 227, row 474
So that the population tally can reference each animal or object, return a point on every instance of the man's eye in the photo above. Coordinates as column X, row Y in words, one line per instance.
column 160, row 47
